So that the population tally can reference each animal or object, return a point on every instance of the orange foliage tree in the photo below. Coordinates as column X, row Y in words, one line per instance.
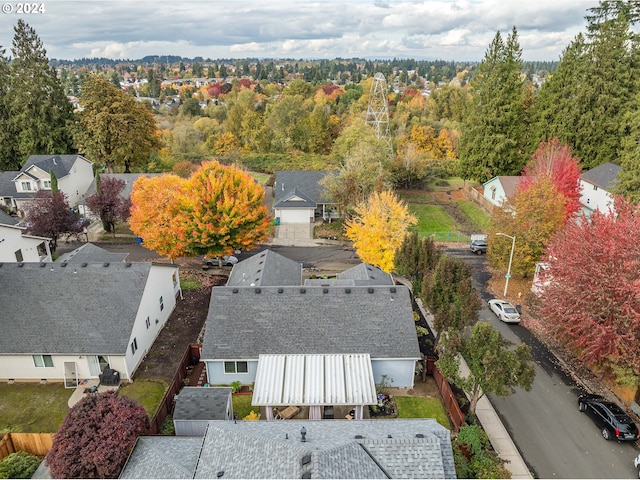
column 217, row 210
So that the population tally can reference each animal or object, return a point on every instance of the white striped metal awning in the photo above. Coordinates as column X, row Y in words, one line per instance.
column 345, row 379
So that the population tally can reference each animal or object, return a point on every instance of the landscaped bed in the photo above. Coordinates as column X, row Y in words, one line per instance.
column 32, row 407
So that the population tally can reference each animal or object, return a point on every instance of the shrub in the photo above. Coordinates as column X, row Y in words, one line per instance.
column 236, row 386
column 96, row 437
column 19, row 465
column 252, row 416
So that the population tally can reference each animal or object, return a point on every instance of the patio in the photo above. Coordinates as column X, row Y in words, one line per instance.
column 88, row 385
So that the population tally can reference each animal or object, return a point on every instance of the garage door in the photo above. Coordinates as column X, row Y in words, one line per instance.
column 296, row 216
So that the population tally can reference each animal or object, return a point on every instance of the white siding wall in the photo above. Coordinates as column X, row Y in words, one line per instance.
column 159, row 284
column 494, row 192
column 595, row 198
column 21, row 367
column 11, row 240
column 400, row 373
column 216, row 375
column 76, row 184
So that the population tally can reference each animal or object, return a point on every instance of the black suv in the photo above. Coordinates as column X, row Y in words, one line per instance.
column 613, row 421
column 478, row 247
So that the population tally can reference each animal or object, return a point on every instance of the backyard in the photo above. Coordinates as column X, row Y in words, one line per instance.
column 32, row 407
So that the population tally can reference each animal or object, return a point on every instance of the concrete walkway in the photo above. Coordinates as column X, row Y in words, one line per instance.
column 298, row 235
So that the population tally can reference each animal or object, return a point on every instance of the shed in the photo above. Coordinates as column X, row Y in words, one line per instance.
column 195, row 406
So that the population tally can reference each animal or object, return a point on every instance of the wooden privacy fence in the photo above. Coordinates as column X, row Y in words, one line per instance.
column 448, row 398
column 35, row 443
column 166, row 405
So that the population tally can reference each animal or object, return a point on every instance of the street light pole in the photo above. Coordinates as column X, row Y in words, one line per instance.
column 508, row 275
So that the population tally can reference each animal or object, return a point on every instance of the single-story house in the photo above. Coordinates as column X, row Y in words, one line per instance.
column 16, row 246
column 195, row 406
column 69, row 321
column 339, row 339
column 500, row 189
column 596, row 186
column 73, row 172
column 298, row 197
column 399, row 448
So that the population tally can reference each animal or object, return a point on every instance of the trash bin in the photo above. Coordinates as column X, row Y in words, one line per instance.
column 519, row 309
column 277, row 221
column 139, row 240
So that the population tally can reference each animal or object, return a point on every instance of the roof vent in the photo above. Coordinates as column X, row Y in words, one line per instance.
column 306, row 460
column 84, row 264
column 347, row 290
column 392, row 289
column 370, row 290
column 220, row 474
column 389, row 436
column 128, row 264
column 325, row 290
column 105, row 264
column 419, row 435
column 359, row 437
column 235, row 290
column 43, row 264
column 306, row 475
column 64, row 264
column 257, row 290
column 21, row 265
column 303, row 290
column 280, row 290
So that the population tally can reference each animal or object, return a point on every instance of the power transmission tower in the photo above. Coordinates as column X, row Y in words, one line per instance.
column 378, row 110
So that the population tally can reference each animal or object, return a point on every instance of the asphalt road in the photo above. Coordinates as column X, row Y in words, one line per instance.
column 554, row 438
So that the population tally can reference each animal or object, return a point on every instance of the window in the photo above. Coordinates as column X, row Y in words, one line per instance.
column 19, row 257
column 47, row 184
column 148, row 323
column 42, row 360
column 236, row 367
column 161, row 304
column 134, row 346
column 26, row 186
column 595, row 187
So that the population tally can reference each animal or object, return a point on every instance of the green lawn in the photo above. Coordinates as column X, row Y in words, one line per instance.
column 32, row 407
column 422, row 407
column 242, row 405
column 147, row 393
column 189, row 282
column 431, row 219
column 261, row 178
column 476, row 215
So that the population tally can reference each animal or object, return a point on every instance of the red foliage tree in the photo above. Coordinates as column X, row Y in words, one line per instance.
column 554, row 160
column 244, row 83
column 49, row 215
column 96, row 437
column 108, row 203
column 592, row 300
column 219, row 88
column 329, row 88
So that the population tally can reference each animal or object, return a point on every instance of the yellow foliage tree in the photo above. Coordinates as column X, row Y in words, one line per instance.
column 378, row 228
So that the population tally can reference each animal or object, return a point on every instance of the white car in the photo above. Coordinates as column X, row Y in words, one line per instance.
column 636, row 462
column 505, row 311
column 226, row 260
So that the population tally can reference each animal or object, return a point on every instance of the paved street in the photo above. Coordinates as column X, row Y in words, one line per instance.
column 555, row 439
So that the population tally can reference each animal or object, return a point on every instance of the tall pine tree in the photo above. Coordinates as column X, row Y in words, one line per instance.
column 36, row 114
column 493, row 133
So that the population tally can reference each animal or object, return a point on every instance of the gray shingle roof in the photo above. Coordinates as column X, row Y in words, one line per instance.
column 60, row 164
column 365, row 274
column 197, row 403
column 90, row 253
column 274, row 449
column 604, row 176
column 294, row 199
column 8, row 188
column 7, row 219
column 163, row 457
column 305, row 181
column 266, row 268
column 244, row 322
column 128, row 178
column 51, row 309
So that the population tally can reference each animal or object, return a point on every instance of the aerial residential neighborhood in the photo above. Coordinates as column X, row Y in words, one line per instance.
column 288, row 264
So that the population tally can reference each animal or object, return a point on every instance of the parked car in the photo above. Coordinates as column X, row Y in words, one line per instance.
column 504, row 311
column 227, row 260
column 478, row 247
column 608, row 416
column 636, row 462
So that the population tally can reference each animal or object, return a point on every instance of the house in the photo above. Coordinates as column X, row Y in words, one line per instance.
column 266, row 268
column 196, row 406
column 298, row 197
column 596, row 186
column 69, row 321
column 399, row 448
column 90, row 253
column 317, row 345
column 500, row 189
column 73, row 172
column 127, row 178
column 15, row 246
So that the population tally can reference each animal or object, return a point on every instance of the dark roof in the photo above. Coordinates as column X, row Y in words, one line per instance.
column 401, row 448
column 8, row 188
column 163, row 457
column 7, row 219
column 90, row 253
column 266, row 268
column 60, row 164
column 198, row 403
column 244, row 322
column 509, row 184
column 306, row 182
column 49, row 308
column 603, row 176
column 127, row 178
column 365, row 274
column 294, row 199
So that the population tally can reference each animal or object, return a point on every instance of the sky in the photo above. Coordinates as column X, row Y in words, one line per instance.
column 457, row 30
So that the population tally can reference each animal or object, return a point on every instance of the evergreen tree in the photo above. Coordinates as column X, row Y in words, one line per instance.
column 37, row 114
column 54, row 182
column 493, row 139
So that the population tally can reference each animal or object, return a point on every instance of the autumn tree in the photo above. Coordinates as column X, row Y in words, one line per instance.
column 553, row 160
column 448, row 293
column 96, row 437
column 49, row 215
column 113, row 129
column 533, row 217
column 378, row 228
column 35, row 114
column 494, row 366
column 108, row 203
column 592, row 302
column 217, row 210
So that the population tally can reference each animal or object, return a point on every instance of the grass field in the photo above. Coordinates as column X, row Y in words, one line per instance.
column 242, row 405
column 431, row 218
column 421, row 407
column 147, row 393
column 32, row 407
